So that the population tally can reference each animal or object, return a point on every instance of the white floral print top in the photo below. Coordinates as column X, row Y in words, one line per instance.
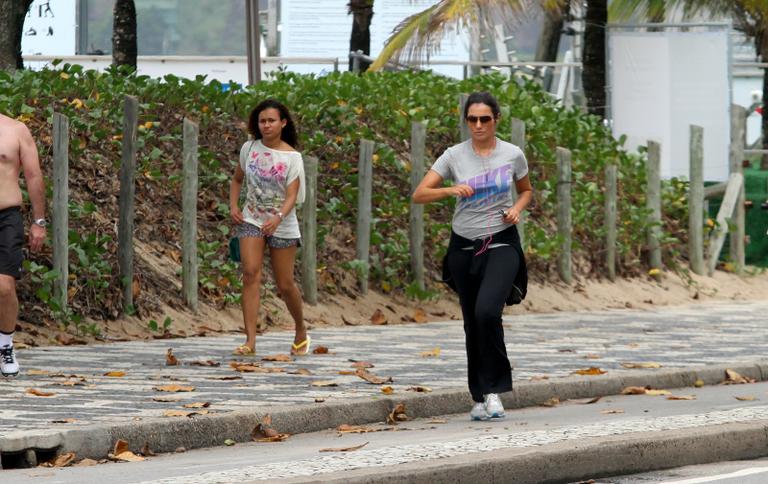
column 268, row 173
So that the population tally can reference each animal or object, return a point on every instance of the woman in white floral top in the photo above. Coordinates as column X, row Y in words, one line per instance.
column 273, row 173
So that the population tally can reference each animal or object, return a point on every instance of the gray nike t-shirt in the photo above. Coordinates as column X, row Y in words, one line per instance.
column 491, row 177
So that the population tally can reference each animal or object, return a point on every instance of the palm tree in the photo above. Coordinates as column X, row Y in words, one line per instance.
column 124, row 41
column 420, row 34
column 749, row 16
column 12, row 14
column 362, row 13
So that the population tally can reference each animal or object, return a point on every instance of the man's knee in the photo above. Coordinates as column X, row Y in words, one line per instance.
column 286, row 286
column 487, row 315
column 7, row 288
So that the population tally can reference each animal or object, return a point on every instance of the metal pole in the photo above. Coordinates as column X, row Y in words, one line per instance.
column 253, row 40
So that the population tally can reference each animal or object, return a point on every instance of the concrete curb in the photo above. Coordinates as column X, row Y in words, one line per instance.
column 168, row 434
column 569, row 462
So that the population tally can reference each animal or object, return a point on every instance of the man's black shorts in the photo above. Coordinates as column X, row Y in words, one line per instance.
column 11, row 241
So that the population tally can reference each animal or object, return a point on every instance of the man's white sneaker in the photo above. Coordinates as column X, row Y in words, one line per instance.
column 493, row 406
column 478, row 412
column 8, row 364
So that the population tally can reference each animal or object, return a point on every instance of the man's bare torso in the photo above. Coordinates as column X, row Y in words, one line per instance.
column 10, row 162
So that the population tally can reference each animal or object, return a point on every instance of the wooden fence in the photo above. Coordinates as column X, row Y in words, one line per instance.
column 731, row 212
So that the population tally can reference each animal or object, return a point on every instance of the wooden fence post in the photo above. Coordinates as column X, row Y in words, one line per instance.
column 61, row 207
column 653, row 203
column 365, row 184
column 564, row 214
column 611, row 182
column 733, row 192
column 463, row 127
column 418, row 142
column 696, row 201
column 127, row 194
column 309, row 232
column 738, row 140
column 517, row 138
column 189, row 215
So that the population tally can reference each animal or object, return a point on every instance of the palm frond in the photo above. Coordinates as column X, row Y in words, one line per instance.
column 420, row 35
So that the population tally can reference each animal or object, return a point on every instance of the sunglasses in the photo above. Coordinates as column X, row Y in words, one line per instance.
column 482, row 119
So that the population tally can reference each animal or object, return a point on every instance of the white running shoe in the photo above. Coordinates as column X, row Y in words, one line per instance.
column 478, row 412
column 8, row 364
column 493, row 406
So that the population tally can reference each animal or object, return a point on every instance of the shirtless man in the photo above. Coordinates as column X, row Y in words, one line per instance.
column 17, row 152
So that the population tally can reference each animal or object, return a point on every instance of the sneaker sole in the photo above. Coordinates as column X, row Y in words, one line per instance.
column 497, row 415
column 478, row 419
column 10, row 374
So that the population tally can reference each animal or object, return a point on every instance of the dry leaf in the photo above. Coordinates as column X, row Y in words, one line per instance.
column 281, row 357
column 592, row 370
column 608, row 412
column 345, row 449
column 166, row 399
column 39, row 393
column 634, row 391
column 539, row 378
column 592, row 400
column 438, row 421
column 205, row 363
column 746, row 398
column 197, row 405
column 319, row 400
column 378, row 317
column 387, row 390
column 552, row 402
column 641, row 365
column 419, row 389
column 170, row 358
column 354, row 429
column 591, row 356
column 324, row 383
column 347, row 321
column 433, row 353
column 347, row 372
column 120, row 447
column 263, row 432
column 64, row 460
column 681, row 397
column 174, row 388
column 177, row 413
column 146, row 451
column 85, row 463
column 250, row 369
column 64, row 421
column 115, row 374
column 371, row 378
column 419, row 316
column 36, row 372
column 397, row 414
column 300, row 371
column 656, row 393
column 129, row 456
column 320, row 350
column 361, row 364
column 733, row 378
column 225, row 377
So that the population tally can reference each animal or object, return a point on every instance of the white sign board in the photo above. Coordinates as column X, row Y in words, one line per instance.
column 663, row 82
column 322, row 28
column 50, row 28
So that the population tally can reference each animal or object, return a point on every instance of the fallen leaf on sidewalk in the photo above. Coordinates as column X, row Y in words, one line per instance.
column 224, row 377
column 593, row 370
column 64, row 421
column 174, row 388
column 184, row 413
column 170, row 358
column 197, row 405
column 552, row 402
column 127, row 456
column 733, row 378
column 608, row 412
column 592, row 400
column 324, row 383
column 438, row 421
column 263, row 432
column 379, row 318
column 246, row 368
column 355, row 429
column 681, row 397
column 146, row 451
column 634, row 391
column 86, row 463
column 64, row 460
column 115, row 374
column 539, row 378
column 344, row 449
column 281, row 357
column 120, row 447
column 204, row 363
column 347, row 372
column 387, row 390
column 371, row 378
column 166, row 399
column 433, row 353
column 320, row 350
column 746, row 398
column 418, row 389
column 591, row 356
column 36, row 372
column 646, row 364
column 656, row 393
column 361, row 364
column 229, row 442
column 300, row 371
column 39, row 393
column 397, row 414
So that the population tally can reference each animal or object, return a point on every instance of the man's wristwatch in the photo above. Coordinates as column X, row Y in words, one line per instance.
column 41, row 222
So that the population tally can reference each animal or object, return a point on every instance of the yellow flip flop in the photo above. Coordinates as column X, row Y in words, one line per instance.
column 296, row 347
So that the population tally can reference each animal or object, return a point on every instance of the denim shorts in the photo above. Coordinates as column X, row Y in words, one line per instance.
column 250, row 230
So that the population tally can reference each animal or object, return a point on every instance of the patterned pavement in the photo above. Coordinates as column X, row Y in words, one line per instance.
column 552, row 344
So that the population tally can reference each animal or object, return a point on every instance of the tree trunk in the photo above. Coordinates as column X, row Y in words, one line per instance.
column 12, row 14
column 593, row 62
column 124, row 42
column 549, row 39
column 762, row 47
column 362, row 13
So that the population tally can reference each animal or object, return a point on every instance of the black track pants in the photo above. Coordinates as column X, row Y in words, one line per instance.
column 482, row 297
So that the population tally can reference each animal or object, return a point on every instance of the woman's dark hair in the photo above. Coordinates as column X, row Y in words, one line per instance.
column 483, row 98
column 288, row 134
